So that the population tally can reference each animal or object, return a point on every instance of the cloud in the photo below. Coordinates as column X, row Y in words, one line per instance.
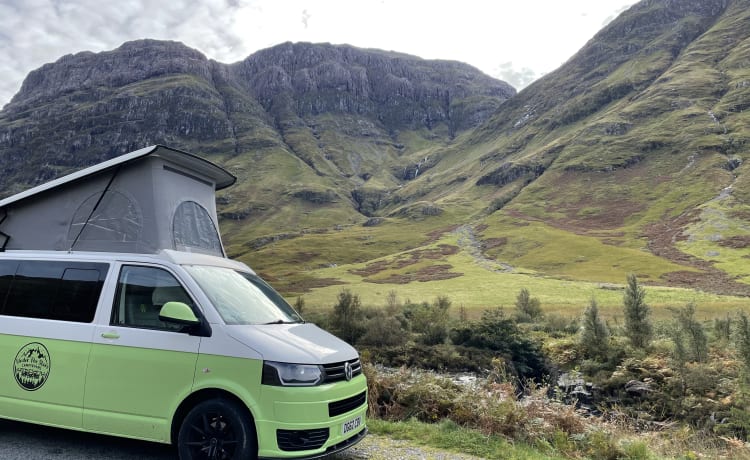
column 35, row 32
column 518, row 78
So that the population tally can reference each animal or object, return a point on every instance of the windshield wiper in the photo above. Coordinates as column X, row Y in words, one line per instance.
column 281, row 321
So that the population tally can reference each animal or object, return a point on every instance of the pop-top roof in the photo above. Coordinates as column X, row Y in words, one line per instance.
column 144, row 201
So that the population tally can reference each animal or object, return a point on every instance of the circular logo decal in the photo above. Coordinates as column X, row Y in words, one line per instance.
column 31, row 366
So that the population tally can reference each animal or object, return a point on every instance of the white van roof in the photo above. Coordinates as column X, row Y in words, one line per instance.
column 145, row 201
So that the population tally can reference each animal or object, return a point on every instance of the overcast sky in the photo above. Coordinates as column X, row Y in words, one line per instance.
column 517, row 41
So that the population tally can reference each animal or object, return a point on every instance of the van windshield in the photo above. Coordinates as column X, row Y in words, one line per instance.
column 242, row 298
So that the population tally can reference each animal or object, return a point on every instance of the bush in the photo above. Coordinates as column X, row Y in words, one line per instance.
column 430, row 320
column 381, row 330
column 594, row 334
column 528, row 307
column 346, row 319
column 638, row 328
column 691, row 343
column 502, row 335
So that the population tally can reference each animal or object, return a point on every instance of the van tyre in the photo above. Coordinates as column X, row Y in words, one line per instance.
column 216, row 429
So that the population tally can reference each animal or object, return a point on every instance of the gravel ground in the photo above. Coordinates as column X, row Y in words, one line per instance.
column 375, row 447
column 21, row 441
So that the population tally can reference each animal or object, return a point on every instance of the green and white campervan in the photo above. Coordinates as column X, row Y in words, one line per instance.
column 120, row 314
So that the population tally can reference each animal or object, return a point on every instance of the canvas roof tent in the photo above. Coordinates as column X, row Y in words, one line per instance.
column 141, row 202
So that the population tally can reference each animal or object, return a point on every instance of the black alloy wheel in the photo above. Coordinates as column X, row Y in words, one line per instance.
column 216, row 429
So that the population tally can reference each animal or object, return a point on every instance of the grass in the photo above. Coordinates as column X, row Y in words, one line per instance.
column 479, row 289
column 447, row 435
column 710, row 237
column 540, row 255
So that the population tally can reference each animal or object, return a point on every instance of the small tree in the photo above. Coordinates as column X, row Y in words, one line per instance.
column 391, row 302
column 689, row 337
column 723, row 329
column 383, row 330
column 638, row 328
column 528, row 307
column 431, row 321
column 742, row 341
column 346, row 320
column 594, row 333
column 299, row 304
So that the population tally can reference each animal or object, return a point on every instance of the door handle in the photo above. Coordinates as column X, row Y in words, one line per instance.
column 110, row 335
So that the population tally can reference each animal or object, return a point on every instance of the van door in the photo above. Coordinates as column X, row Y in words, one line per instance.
column 140, row 368
column 47, row 310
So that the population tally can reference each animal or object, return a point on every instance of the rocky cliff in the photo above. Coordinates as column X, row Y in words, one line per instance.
column 88, row 107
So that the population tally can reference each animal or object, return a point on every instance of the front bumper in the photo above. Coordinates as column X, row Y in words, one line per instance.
column 311, row 422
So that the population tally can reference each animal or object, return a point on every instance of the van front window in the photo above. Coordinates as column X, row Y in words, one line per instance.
column 242, row 298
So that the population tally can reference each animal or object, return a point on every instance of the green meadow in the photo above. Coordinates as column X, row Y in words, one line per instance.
column 475, row 285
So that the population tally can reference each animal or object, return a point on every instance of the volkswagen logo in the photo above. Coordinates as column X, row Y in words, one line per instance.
column 348, row 371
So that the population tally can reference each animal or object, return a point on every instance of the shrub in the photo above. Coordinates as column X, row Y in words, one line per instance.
column 594, row 334
column 691, row 343
column 638, row 328
column 431, row 320
column 528, row 307
column 723, row 329
column 381, row 330
column 742, row 340
column 502, row 335
column 299, row 305
column 346, row 319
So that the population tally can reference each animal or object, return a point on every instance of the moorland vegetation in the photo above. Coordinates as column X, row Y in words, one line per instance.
column 578, row 386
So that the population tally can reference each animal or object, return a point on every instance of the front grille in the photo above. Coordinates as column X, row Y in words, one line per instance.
column 294, row 440
column 335, row 372
column 345, row 405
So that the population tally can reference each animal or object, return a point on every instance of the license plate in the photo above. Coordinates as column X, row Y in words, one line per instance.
column 351, row 425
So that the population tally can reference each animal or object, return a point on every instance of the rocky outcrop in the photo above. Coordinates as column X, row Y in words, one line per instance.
column 397, row 89
column 88, row 107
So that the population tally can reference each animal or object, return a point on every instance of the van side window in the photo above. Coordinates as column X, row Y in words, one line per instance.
column 7, row 271
column 141, row 292
column 65, row 291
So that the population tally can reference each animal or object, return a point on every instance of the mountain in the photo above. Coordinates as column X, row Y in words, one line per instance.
column 629, row 158
column 288, row 98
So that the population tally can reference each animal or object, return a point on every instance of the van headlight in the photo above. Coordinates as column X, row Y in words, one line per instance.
column 291, row 375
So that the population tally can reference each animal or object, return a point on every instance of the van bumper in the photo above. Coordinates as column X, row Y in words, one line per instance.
column 331, row 450
column 311, row 422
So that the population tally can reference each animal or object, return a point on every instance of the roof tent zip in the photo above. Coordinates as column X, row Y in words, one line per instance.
column 96, row 206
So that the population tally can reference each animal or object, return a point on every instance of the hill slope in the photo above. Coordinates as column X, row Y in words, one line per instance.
column 628, row 158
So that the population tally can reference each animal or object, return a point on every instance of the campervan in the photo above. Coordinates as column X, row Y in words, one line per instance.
column 121, row 314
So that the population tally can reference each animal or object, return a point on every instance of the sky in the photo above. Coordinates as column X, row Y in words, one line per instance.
column 513, row 40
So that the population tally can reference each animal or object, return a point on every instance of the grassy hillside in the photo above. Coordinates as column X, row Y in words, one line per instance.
column 630, row 158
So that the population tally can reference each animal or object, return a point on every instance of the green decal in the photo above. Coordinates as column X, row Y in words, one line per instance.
column 32, row 365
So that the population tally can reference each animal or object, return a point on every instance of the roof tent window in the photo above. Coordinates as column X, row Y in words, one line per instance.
column 116, row 218
column 194, row 228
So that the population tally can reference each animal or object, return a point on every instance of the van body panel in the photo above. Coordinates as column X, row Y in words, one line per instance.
column 42, row 380
column 293, row 343
column 236, row 375
column 222, row 344
column 136, row 381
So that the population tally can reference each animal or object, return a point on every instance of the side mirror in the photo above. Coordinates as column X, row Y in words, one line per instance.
column 178, row 312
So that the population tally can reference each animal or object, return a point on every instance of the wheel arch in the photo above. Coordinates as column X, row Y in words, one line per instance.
column 204, row 395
